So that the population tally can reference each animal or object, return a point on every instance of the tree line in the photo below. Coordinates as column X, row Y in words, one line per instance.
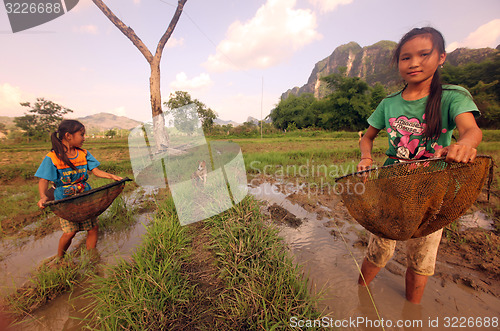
column 43, row 116
column 352, row 100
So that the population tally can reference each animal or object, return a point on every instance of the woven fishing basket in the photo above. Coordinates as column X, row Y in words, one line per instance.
column 89, row 204
column 415, row 198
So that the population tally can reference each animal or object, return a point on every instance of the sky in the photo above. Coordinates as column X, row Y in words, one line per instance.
column 236, row 56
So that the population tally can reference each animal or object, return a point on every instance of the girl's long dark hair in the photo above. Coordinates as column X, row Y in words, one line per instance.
column 66, row 126
column 433, row 107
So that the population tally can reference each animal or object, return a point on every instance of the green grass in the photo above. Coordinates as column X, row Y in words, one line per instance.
column 263, row 287
column 47, row 283
column 254, row 285
column 152, row 291
column 118, row 216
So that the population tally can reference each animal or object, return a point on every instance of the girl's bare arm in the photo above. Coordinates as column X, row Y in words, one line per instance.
column 464, row 150
column 43, row 185
column 104, row 174
column 366, row 145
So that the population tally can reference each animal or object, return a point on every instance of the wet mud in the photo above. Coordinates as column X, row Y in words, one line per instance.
column 331, row 246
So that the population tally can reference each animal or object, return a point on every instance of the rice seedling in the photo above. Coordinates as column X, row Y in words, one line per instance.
column 150, row 291
column 245, row 280
column 118, row 216
column 264, row 288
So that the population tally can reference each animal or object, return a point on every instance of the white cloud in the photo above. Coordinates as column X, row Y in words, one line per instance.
column 326, row 6
column 487, row 35
column 86, row 29
column 10, row 97
column 270, row 37
column 173, row 42
column 182, row 82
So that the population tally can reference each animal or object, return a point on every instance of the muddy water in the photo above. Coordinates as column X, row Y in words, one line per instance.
column 19, row 258
column 331, row 265
column 67, row 311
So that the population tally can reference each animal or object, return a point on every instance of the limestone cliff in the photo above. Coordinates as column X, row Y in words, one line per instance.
column 373, row 64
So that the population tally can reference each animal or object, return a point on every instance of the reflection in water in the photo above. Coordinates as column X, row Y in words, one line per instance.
column 333, row 274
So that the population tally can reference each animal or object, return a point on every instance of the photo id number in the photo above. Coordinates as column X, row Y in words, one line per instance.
column 33, row 8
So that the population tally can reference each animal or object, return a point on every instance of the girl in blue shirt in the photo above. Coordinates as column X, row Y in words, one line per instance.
column 67, row 166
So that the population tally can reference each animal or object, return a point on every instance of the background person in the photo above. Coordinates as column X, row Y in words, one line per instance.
column 67, row 166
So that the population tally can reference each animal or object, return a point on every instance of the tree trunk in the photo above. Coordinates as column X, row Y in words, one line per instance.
column 161, row 136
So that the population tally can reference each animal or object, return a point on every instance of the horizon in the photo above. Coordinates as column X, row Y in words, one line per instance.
column 238, row 64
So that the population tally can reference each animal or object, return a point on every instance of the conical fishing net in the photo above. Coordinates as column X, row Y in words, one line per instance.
column 413, row 199
column 89, row 204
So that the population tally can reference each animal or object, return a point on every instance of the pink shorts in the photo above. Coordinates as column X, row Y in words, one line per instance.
column 420, row 252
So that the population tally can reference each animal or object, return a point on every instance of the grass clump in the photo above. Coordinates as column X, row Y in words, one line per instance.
column 263, row 287
column 49, row 281
column 118, row 216
column 231, row 272
column 150, row 292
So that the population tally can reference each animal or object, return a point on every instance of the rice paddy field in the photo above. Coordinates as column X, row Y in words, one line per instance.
column 232, row 271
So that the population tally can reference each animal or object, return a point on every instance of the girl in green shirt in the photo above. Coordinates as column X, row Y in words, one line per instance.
column 419, row 121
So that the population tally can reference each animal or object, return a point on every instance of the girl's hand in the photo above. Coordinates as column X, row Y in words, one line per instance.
column 365, row 164
column 116, row 178
column 42, row 201
column 457, row 152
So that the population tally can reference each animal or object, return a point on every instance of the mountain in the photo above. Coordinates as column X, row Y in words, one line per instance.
column 462, row 56
column 218, row 121
column 256, row 121
column 373, row 64
column 106, row 121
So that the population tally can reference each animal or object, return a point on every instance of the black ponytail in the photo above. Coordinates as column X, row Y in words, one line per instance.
column 66, row 126
column 433, row 117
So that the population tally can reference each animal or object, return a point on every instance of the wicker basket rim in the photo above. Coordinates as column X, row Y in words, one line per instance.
column 89, row 192
column 401, row 164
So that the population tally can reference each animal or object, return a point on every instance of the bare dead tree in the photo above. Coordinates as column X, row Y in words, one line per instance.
column 161, row 137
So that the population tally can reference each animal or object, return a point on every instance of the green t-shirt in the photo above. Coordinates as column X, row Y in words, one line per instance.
column 405, row 123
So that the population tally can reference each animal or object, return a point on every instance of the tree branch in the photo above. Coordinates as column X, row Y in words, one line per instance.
column 170, row 30
column 126, row 30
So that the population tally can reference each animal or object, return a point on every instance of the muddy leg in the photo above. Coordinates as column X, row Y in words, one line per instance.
column 369, row 271
column 92, row 237
column 64, row 243
column 415, row 286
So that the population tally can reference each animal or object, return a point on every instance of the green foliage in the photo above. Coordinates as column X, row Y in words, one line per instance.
column 346, row 108
column 185, row 117
column 295, row 109
column 489, row 105
column 482, row 80
column 349, row 104
column 43, row 118
column 110, row 133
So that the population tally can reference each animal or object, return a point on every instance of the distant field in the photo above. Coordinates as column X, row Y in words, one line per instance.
column 280, row 154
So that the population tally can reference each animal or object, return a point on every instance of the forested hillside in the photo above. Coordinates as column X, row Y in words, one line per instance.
column 344, row 88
